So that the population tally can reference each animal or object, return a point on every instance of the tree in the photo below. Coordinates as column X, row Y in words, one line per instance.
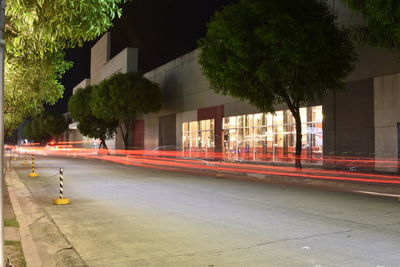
column 35, row 28
column 268, row 52
column 36, row 33
column 25, row 96
column 89, row 125
column 53, row 123
column 45, row 125
column 123, row 97
column 33, row 131
column 382, row 18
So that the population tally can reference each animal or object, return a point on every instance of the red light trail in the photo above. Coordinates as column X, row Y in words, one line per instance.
column 224, row 162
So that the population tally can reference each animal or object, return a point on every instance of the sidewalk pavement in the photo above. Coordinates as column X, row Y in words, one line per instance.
column 42, row 242
column 20, row 235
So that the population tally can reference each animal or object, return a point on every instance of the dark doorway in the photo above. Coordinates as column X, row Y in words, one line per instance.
column 167, row 131
column 138, row 134
column 398, row 147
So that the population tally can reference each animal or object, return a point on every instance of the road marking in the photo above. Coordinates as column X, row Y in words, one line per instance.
column 376, row 193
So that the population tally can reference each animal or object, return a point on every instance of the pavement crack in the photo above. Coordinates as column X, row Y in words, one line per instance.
column 296, row 238
column 200, row 253
column 63, row 249
column 36, row 220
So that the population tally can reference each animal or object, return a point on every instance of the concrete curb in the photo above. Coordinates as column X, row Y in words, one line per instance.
column 30, row 252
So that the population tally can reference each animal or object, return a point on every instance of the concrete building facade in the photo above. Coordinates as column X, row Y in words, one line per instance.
column 362, row 120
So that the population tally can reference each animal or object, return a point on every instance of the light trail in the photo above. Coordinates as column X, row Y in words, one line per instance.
column 222, row 162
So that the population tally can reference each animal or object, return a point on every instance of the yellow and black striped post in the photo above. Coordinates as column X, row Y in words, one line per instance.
column 12, row 155
column 25, row 159
column 33, row 173
column 61, row 200
column 219, row 174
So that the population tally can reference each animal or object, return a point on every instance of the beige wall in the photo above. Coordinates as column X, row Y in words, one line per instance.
column 184, row 86
column 83, row 84
column 123, row 62
column 102, row 67
column 373, row 62
column 387, row 115
column 99, row 55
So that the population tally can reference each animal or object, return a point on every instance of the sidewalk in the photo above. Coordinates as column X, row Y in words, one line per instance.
column 37, row 241
column 12, row 238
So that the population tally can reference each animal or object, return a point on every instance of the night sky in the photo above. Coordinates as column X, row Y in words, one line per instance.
column 161, row 29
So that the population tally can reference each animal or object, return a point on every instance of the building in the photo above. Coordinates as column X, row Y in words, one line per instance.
column 101, row 68
column 363, row 120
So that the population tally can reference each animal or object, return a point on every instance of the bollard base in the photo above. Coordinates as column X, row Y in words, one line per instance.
column 219, row 175
column 61, row 201
column 33, row 174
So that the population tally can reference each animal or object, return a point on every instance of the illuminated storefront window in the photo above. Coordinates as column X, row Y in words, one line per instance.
column 198, row 135
column 264, row 134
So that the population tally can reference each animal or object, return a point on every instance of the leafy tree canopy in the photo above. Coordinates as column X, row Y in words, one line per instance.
column 267, row 52
column 123, row 97
column 89, row 125
column 36, row 34
column 45, row 125
column 382, row 19
column 34, row 28
column 32, row 131
column 29, row 84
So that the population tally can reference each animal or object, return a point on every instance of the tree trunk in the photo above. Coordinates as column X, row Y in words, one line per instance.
column 125, row 135
column 103, row 142
column 297, row 118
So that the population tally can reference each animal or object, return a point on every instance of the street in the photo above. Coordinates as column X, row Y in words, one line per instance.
column 130, row 216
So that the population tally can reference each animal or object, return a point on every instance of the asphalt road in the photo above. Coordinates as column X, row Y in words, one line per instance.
column 129, row 216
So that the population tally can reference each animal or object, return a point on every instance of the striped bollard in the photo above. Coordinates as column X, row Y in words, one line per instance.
column 219, row 174
column 25, row 159
column 33, row 173
column 61, row 200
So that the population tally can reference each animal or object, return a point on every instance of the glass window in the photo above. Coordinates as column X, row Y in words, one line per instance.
column 185, row 127
column 303, row 114
column 231, row 122
column 289, row 117
column 316, row 114
column 193, row 126
column 240, row 121
column 278, row 118
column 249, row 121
column 269, row 119
column 226, row 123
column 258, row 132
column 273, row 133
column 198, row 135
column 258, row 120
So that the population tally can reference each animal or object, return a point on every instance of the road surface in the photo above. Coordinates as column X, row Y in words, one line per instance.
column 129, row 216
